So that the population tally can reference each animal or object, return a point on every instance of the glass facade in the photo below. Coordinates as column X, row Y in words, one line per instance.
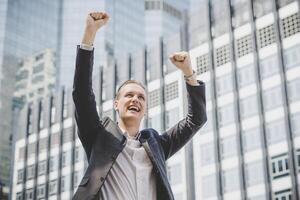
column 24, row 30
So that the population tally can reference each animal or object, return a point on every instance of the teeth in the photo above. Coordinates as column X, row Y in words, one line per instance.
column 134, row 108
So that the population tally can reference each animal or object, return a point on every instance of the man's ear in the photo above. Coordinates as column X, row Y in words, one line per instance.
column 116, row 105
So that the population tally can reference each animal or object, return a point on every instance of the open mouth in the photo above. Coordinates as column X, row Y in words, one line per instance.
column 134, row 108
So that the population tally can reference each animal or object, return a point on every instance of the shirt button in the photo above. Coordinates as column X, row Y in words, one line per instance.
column 101, row 179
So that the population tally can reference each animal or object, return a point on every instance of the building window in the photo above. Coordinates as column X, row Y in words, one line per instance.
column 29, row 194
column 155, row 122
column 66, row 158
column 251, row 139
column 77, row 154
column 244, row 46
column 290, row 25
column 260, row 197
column 226, row 115
column 272, row 98
column 42, row 168
column 174, row 174
column 53, row 164
column 67, row 135
column 202, row 64
column 52, row 187
column 276, row 131
column 19, row 196
column 75, row 179
column 295, row 119
column 209, row 186
column 154, row 98
column 54, row 139
column 31, row 148
column 254, row 173
column 208, row 90
column 172, row 117
column 269, row 66
column 283, row 195
column 280, row 166
column 224, row 84
column 20, row 176
column 266, row 36
column 246, row 75
column 63, row 184
column 43, row 144
column 228, row 146
column 171, row 91
column 30, row 172
column 293, row 90
column 230, row 180
column 222, row 55
column 207, row 154
column 40, row 193
column 248, row 106
column 292, row 57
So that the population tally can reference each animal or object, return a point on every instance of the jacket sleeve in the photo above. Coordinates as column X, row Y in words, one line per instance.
column 176, row 137
column 86, row 115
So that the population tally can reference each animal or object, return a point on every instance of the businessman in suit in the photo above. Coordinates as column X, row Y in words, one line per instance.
column 124, row 162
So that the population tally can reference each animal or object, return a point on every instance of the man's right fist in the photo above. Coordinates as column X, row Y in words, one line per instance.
column 95, row 20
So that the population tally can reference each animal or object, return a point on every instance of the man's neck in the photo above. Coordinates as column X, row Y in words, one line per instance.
column 131, row 129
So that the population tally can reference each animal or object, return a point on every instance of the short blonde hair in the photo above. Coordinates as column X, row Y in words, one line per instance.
column 126, row 83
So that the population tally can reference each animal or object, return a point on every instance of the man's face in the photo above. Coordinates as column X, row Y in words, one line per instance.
column 131, row 102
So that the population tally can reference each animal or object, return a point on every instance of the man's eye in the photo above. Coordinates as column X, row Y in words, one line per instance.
column 128, row 95
column 141, row 97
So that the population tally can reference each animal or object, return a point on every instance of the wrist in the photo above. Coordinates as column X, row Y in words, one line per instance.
column 88, row 37
column 188, row 72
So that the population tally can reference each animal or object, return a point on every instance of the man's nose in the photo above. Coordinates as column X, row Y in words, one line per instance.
column 135, row 98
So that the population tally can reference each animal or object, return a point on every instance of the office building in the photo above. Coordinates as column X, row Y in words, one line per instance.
column 249, row 58
column 35, row 78
column 25, row 29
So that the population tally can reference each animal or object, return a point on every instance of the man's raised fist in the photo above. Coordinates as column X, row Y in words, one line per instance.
column 95, row 20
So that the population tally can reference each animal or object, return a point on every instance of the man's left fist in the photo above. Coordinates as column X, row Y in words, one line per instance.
column 182, row 61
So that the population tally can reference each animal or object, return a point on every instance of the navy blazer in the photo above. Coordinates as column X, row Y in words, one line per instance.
column 103, row 140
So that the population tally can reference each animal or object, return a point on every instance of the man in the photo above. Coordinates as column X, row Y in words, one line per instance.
column 125, row 163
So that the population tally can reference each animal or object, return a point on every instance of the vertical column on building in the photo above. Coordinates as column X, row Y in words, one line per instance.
column 60, row 147
column 101, row 91
column 129, row 67
column 162, row 85
column 261, row 113
column 36, row 167
column 28, row 124
column 236, row 96
column 146, row 121
column 286, row 104
column 215, row 123
column 73, row 150
column 51, row 105
column 114, row 87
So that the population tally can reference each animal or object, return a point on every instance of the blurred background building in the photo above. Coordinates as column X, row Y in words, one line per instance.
column 25, row 29
column 247, row 53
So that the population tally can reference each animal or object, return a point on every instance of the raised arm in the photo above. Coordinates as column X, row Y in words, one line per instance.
column 176, row 137
column 86, row 115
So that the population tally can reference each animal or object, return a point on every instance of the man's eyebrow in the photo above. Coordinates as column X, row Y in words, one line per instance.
column 131, row 92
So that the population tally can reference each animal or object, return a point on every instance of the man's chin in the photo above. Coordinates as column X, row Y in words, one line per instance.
column 132, row 116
